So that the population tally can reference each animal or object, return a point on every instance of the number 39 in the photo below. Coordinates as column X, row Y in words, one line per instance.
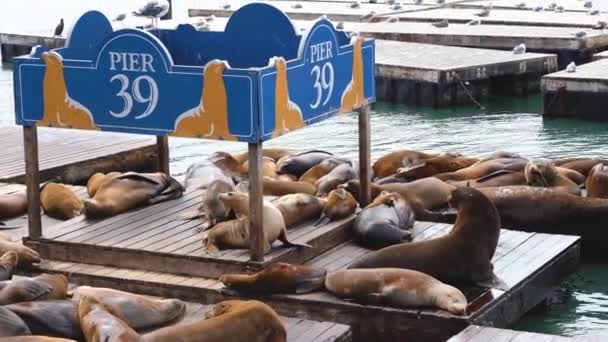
column 151, row 100
column 324, row 80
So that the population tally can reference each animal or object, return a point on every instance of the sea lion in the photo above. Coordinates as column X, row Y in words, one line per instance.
column 396, row 287
column 544, row 174
column 419, row 169
column 340, row 204
column 287, row 178
column 26, row 255
column 59, row 201
column 97, row 179
column 339, row 175
column 279, row 277
column 137, row 311
column 34, row 339
column 235, row 233
column 228, row 164
column 41, row 287
column 99, row 325
column 58, row 318
column 385, row 222
column 299, row 163
column 211, row 208
column 314, row 173
column 274, row 187
column 11, row 324
column 423, row 195
column 484, row 168
column 228, row 321
column 269, row 167
column 13, row 205
column 499, row 178
column 272, row 152
column 201, row 175
column 390, row 162
column 581, row 165
column 463, row 255
column 8, row 264
column 298, row 208
column 597, row 182
column 131, row 190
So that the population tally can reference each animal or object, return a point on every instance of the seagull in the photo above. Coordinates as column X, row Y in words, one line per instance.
column 202, row 25
column 594, row 12
column 120, row 17
column 226, row 6
column 396, row 6
column 519, row 49
column 484, row 13
column 588, row 4
column 600, row 25
column 153, row 9
column 580, row 34
column 559, row 9
column 297, row 5
column 390, row 2
column 538, row 9
column 355, row 4
column 521, row 5
column 368, row 16
column 474, row 22
column 210, row 18
column 441, row 24
column 59, row 29
column 552, row 6
column 571, row 67
column 392, row 19
column 418, row 2
column 340, row 25
column 440, row 2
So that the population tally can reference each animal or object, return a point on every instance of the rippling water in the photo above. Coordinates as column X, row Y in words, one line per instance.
column 506, row 124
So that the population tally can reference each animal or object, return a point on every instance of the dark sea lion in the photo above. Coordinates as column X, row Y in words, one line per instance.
column 41, row 287
column 59, row 201
column 13, row 205
column 314, row 173
column 499, row 178
column 581, row 165
column 385, row 222
column 228, row 321
column 339, row 175
column 96, row 180
column 57, row 318
column 279, row 277
column 274, row 187
column 26, row 255
column 340, row 204
column 430, row 167
column 272, row 152
column 11, row 324
column 212, row 210
column 269, row 167
column 137, row 311
column 201, row 175
column 597, row 182
column 463, row 255
column 100, row 325
column 298, row 208
column 544, row 174
column 396, row 287
column 299, row 163
column 390, row 162
column 422, row 195
column 8, row 264
column 484, row 168
column 131, row 190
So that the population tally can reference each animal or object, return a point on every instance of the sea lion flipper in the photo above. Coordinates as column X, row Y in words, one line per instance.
column 150, row 178
column 492, row 175
column 190, row 215
column 286, row 242
column 24, row 290
column 323, row 220
column 493, row 282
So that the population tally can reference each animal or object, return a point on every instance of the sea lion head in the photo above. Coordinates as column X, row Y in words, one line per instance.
column 540, row 173
column 450, row 299
column 9, row 260
column 289, row 165
column 352, row 186
column 226, row 162
column 340, row 204
column 238, row 201
column 278, row 278
column 468, row 198
column 598, row 170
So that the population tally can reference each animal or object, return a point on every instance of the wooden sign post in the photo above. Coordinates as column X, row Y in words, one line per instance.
column 255, row 81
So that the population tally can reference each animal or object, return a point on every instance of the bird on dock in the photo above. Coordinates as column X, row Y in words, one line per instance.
column 521, row 5
column 588, row 4
column 392, row 19
column 340, row 25
column 297, row 5
column 226, row 6
column 600, row 25
column 559, row 9
column 594, row 12
column 519, row 49
column 552, row 6
column 441, row 24
column 538, row 9
column 580, row 34
column 474, row 22
column 483, row 13
column 418, row 2
column 202, row 25
column 571, row 67
column 120, row 17
column 440, row 2
column 369, row 16
column 355, row 4
column 391, row 2
column 59, row 29
column 210, row 18
column 396, row 7
column 153, row 9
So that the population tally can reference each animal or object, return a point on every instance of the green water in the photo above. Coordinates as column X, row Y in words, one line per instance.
column 511, row 124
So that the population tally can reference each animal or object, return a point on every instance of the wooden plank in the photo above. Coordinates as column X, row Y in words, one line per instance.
column 256, row 219
column 162, row 143
column 30, row 143
column 365, row 175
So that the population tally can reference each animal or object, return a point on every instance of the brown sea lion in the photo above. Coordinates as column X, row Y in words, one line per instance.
column 26, row 255
column 279, row 277
column 573, row 175
column 269, row 167
column 8, row 264
column 483, row 168
column 422, row 195
column 137, row 311
column 228, row 164
column 499, row 178
column 131, row 190
column 41, row 287
column 581, row 165
column 201, row 175
column 59, row 201
column 11, row 324
column 228, row 321
column 58, row 318
column 430, row 167
column 272, row 152
column 97, row 179
column 212, row 210
column 463, row 255
column 340, row 204
column 314, row 173
column 235, row 233
column 339, row 175
column 287, row 178
column 100, row 325
column 390, row 162
column 544, row 174
column 396, row 287
column 13, row 205
column 299, row 163
column 597, row 182
column 298, row 208
column 385, row 222
column 274, row 187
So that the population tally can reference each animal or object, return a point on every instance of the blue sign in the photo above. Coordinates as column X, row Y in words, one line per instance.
column 254, row 81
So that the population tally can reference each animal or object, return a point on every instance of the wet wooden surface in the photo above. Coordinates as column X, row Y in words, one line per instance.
column 475, row 333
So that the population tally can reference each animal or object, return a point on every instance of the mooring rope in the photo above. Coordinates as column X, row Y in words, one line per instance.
column 557, row 94
column 466, row 90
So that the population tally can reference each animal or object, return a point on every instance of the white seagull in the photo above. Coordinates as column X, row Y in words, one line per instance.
column 519, row 49
column 153, row 9
column 571, row 67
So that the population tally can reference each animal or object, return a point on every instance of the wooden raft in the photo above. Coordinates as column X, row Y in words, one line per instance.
column 73, row 156
column 531, row 263
column 475, row 333
column 153, row 238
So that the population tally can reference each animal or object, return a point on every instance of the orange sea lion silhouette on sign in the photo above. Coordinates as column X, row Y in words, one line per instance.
column 60, row 110
column 209, row 119
column 354, row 96
column 287, row 114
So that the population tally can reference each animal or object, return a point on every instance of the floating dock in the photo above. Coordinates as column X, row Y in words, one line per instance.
column 17, row 44
column 73, row 156
column 529, row 5
column 580, row 94
column 475, row 333
column 600, row 55
column 530, row 263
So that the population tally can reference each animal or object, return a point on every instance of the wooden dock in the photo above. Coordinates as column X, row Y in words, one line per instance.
column 531, row 263
column 569, row 5
column 72, row 156
column 581, row 94
column 475, row 333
